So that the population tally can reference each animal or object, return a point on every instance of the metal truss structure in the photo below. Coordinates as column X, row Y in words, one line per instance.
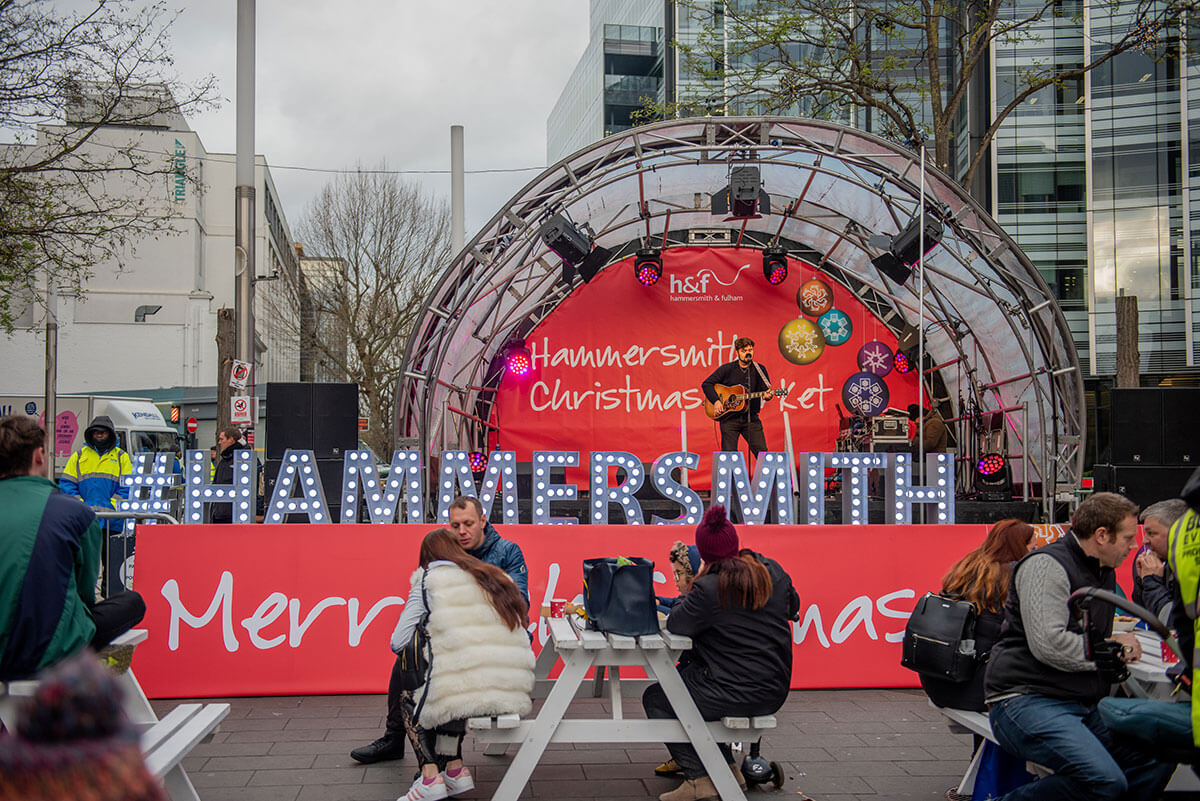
column 994, row 338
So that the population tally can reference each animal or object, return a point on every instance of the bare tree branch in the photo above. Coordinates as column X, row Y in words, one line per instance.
column 910, row 61
column 373, row 246
column 65, row 78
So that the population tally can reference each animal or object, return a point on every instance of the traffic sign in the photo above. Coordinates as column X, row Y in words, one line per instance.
column 192, row 425
column 239, row 374
column 239, row 409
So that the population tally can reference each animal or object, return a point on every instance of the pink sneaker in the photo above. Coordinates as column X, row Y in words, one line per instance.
column 420, row 791
column 460, row 783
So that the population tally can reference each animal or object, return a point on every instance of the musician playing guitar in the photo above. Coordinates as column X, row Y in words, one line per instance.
column 742, row 420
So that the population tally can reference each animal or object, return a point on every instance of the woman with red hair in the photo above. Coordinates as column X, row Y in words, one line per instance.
column 981, row 577
column 481, row 662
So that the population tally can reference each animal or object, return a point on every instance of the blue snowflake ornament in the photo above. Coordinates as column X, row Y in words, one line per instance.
column 865, row 393
column 836, row 326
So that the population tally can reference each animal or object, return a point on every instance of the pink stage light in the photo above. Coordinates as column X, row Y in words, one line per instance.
column 901, row 363
column 519, row 361
column 990, row 464
column 477, row 461
column 648, row 266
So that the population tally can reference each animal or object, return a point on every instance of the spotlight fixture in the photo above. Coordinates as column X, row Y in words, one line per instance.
column 905, row 248
column 648, row 266
column 775, row 265
column 517, row 358
column 990, row 464
column 901, row 363
column 994, row 475
column 743, row 198
column 477, row 461
column 574, row 247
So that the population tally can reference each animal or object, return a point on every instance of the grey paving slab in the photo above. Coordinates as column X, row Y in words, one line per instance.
column 833, row 745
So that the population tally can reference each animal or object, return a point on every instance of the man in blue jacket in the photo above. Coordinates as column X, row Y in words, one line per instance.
column 481, row 540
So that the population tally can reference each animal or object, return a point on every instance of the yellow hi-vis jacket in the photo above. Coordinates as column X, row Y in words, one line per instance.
column 1184, row 557
column 96, row 478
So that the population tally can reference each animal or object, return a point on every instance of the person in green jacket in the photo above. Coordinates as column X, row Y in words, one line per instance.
column 49, row 560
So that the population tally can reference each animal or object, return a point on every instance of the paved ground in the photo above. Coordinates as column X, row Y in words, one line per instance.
column 834, row 745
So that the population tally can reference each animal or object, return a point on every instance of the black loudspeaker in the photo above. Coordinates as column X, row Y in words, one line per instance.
column 1143, row 485
column 1180, row 431
column 1136, row 427
column 289, row 418
column 322, row 418
column 335, row 419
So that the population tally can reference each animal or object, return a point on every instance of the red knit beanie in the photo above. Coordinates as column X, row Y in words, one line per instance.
column 716, row 538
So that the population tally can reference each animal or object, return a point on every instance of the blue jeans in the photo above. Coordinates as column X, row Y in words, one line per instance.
column 1069, row 738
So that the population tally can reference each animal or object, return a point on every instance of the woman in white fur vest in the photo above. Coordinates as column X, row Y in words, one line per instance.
column 482, row 663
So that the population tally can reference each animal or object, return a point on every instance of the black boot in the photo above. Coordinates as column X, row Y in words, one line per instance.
column 389, row 746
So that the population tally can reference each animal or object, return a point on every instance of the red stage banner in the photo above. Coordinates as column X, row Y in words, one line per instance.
column 309, row 609
column 616, row 364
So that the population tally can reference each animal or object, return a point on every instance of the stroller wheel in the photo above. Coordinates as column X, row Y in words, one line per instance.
column 777, row 775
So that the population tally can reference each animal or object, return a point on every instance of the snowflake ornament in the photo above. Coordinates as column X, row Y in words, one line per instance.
column 865, row 393
column 875, row 357
column 801, row 341
column 814, row 297
column 836, row 327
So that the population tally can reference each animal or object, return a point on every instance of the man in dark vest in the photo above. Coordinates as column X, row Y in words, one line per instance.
column 1042, row 690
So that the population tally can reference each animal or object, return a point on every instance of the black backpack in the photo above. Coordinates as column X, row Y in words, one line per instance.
column 939, row 639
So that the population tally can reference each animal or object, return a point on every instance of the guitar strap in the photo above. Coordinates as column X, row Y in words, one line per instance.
column 762, row 375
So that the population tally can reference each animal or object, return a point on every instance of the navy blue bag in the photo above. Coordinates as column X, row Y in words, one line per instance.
column 619, row 598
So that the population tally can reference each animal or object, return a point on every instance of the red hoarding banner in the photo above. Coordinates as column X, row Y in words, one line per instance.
column 617, row 364
column 309, row 609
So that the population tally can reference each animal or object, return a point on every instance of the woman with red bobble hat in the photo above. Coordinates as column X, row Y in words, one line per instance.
column 737, row 613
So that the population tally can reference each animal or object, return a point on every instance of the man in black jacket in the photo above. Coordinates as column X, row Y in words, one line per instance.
column 743, row 422
column 1044, row 678
column 228, row 440
column 1152, row 577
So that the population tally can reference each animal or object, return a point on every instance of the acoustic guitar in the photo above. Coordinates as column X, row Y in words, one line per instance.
column 735, row 398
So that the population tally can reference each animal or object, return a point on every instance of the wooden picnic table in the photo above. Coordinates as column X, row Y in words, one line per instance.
column 581, row 650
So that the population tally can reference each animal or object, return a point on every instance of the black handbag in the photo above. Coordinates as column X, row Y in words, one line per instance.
column 619, row 597
column 416, row 656
column 939, row 639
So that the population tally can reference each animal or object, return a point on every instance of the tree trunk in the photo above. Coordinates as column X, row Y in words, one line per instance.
column 226, row 340
column 1128, row 358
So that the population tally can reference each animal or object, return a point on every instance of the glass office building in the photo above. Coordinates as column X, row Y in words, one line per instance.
column 1091, row 177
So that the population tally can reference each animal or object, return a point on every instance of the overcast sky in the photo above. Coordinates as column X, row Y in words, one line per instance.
column 340, row 83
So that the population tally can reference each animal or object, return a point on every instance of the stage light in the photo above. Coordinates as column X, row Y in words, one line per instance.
column 477, row 461
column 517, row 358
column 648, row 266
column 905, row 249
column 990, row 464
column 994, row 476
column 775, row 265
column 901, row 363
column 743, row 197
column 574, row 247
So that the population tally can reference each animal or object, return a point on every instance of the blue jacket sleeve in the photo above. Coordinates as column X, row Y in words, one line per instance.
column 514, row 565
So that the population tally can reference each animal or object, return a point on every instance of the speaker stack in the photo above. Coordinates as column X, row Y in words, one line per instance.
column 1153, row 443
column 319, row 417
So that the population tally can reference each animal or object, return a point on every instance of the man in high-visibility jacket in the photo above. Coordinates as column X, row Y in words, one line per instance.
column 1184, row 557
column 94, row 471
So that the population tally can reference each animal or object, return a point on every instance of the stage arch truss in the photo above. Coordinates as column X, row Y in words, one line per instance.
column 995, row 339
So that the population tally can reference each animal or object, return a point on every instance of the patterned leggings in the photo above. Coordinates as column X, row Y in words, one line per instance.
column 439, row 745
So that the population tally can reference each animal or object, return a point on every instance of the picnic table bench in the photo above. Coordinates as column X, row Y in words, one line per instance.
column 1183, row 780
column 164, row 742
column 581, row 650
